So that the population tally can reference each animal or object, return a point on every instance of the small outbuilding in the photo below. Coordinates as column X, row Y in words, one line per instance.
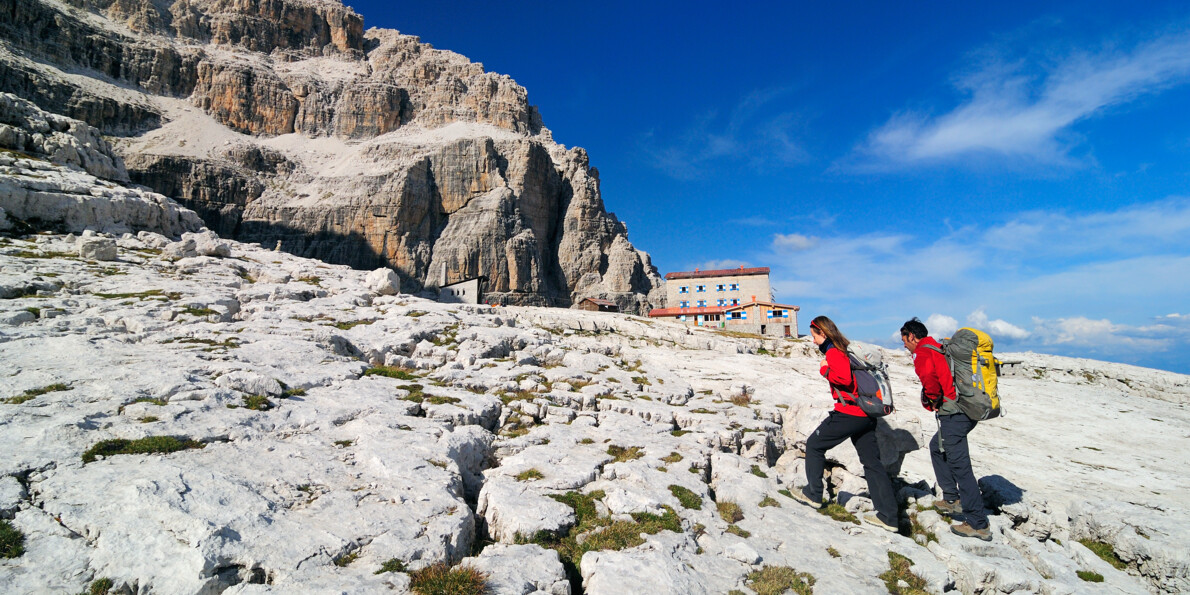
column 598, row 305
column 467, row 291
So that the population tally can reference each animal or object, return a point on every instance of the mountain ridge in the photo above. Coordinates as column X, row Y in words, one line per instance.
column 275, row 94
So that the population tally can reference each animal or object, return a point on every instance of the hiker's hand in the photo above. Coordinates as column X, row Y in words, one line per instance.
column 823, row 364
column 927, row 402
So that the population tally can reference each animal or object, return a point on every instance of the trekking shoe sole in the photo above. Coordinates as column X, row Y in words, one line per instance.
column 804, row 499
column 948, row 508
column 965, row 530
column 872, row 519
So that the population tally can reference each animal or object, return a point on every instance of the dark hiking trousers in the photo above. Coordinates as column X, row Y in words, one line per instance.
column 952, row 467
column 836, row 428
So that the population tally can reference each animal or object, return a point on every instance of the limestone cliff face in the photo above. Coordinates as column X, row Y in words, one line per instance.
column 283, row 120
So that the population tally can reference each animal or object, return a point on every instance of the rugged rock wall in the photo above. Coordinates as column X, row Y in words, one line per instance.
column 283, row 120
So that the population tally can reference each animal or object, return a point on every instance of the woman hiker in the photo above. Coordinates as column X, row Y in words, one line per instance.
column 847, row 420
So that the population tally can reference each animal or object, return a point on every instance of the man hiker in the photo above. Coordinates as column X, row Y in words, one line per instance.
column 948, row 448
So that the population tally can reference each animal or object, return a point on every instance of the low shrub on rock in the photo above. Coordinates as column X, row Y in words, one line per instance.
column 441, row 579
column 12, row 541
column 899, row 572
column 836, row 511
column 392, row 565
column 36, row 392
column 1106, row 552
column 775, row 580
column 624, row 455
column 99, row 586
column 686, row 497
column 600, row 533
column 730, row 511
column 147, row 445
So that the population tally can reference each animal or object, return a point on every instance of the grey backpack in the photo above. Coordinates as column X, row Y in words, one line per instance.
column 873, row 391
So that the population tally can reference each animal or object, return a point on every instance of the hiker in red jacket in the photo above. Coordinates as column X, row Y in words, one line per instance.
column 846, row 421
column 948, row 448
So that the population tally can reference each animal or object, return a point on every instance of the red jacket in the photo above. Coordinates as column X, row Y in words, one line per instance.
column 934, row 373
column 837, row 372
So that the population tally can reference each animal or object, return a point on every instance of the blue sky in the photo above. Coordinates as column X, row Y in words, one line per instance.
column 1022, row 166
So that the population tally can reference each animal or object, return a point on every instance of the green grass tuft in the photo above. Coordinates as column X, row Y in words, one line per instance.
column 836, row 511
column 730, row 511
column 37, row 392
column 343, row 561
column 833, row 552
column 390, row 372
column 673, row 457
column 775, row 580
column 343, row 326
column 679, row 433
column 769, row 501
column 440, row 579
column 611, row 535
column 257, row 403
column 147, row 445
column 686, row 498
column 899, row 571
column 12, row 541
column 529, row 474
column 734, row 530
column 99, row 586
column 392, row 565
column 623, row 455
column 1090, row 576
column 757, row 472
column 151, row 400
column 198, row 312
column 1105, row 551
column 916, row 528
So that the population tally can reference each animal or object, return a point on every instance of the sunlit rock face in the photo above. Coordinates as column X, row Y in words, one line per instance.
column 285, row 121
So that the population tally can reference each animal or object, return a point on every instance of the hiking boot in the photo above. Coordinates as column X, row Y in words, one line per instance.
column 949, row 507
column 801, row 496
column 873, row 519
column 966, row 530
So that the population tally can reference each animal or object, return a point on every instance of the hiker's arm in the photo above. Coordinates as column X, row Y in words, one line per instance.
column 945, row 379
column 928, row 373
column 837, row 369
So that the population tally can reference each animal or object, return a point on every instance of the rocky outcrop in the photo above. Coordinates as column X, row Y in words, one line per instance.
column 283, row 120
column 60, row 173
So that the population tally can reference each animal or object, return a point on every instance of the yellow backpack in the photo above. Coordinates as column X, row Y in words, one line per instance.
column 969, row 353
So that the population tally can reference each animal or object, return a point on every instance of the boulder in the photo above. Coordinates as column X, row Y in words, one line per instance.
column 383, row 281
column 97, row 248
column 521, row 570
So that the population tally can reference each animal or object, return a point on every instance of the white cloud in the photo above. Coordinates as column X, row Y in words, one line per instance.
column 941, row 325
column 751, row 133
column 794, row 242
column 997, row 328
column 754, row 222
column 1051, row 279
column 725, row 263
column 1017, row 110
column 1104, row 336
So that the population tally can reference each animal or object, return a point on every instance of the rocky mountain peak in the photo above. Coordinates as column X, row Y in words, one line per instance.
column 283, row 120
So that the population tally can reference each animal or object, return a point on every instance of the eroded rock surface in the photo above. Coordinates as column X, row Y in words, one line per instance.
column 343, row 427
